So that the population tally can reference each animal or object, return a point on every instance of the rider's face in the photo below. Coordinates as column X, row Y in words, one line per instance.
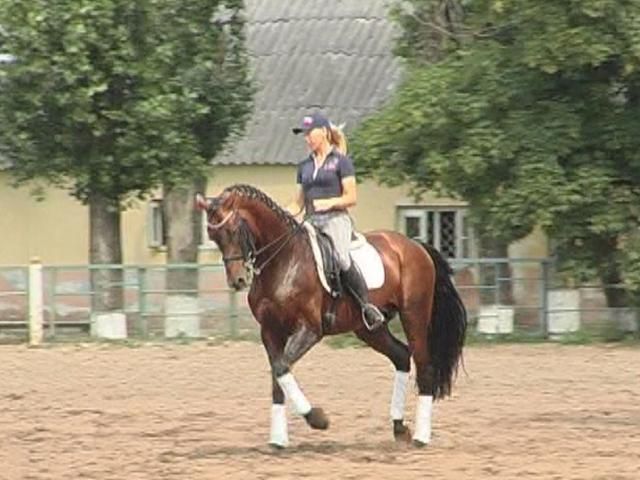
column 316, row 138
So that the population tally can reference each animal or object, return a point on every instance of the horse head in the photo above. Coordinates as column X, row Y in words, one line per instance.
column 229, row 230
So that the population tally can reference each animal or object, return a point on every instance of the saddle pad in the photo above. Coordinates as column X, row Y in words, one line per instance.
column 362, row 252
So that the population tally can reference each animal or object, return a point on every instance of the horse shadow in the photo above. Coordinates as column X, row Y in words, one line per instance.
column 364, row 451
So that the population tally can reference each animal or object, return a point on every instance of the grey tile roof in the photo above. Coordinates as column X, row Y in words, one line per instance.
column 329, row 55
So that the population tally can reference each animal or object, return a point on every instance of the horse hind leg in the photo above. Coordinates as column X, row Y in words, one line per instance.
column 437, row 333
column 416, row 329
column 384, row 342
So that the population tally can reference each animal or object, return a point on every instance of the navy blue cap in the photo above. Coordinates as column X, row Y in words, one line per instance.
column 309, row 122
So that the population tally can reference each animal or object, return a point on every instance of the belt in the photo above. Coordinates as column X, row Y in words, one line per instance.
column 330, row 213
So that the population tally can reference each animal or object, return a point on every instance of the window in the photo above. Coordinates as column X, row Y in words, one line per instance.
column 156, row 231
column 444, row 228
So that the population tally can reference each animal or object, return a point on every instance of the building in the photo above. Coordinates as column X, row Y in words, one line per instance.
column 334, row 56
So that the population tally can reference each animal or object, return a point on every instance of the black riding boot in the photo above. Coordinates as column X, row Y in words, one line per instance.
column 355, row 283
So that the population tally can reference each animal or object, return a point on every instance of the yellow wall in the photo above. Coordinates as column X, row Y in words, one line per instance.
column 376, row 207
column 56, row 230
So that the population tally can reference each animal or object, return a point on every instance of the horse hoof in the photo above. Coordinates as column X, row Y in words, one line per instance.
column 419, row 443
column 278, row 447
column 317, row 419
column 401, row 433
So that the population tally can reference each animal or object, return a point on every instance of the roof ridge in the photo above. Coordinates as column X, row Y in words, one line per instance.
column 284, row 19
column 346, row 53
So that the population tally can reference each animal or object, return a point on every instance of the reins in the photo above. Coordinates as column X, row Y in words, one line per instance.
column 250, row 257
column 291, row 234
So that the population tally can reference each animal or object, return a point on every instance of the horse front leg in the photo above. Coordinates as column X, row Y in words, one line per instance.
column 274, row 343
column 283, row 353
column 299, row 343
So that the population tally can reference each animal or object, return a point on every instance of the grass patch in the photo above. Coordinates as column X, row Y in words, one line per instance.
column 345, row 340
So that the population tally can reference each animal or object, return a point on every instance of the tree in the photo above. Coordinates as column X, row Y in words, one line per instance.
column 225, row 95
column 111, row 98
column 532, row 118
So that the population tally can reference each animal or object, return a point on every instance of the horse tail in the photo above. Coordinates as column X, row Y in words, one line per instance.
column 448, row 327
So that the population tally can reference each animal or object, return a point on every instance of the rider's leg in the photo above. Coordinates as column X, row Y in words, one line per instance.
column 340, row 228
column 357, row 285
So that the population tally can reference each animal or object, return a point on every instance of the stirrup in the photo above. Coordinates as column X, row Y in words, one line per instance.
column 375, row 311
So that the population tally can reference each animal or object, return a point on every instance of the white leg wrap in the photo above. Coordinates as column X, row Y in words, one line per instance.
column 279, row 434
column 291, row 390
column 399, row 395
column 423, row 419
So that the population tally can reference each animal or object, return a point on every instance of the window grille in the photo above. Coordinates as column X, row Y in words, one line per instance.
column 444, row 228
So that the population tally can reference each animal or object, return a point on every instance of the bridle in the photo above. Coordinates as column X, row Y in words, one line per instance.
column 250, row 254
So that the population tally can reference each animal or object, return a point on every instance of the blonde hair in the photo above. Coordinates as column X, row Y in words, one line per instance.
column 337, row 138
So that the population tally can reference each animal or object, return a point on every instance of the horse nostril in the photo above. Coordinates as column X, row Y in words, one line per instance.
column 240, row 283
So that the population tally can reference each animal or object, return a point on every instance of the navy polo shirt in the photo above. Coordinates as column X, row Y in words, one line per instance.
column 327, row 181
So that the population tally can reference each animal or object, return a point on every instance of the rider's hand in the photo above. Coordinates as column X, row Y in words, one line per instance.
column 323, row 204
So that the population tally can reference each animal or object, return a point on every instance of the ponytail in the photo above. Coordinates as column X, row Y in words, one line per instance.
column 337, row 138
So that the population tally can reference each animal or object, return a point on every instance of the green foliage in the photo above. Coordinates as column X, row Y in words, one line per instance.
column 631, row 259
column 531, row 116
column 114, row 97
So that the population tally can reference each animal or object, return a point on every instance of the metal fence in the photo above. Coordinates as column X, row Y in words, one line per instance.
column 523, row 296
column 502, row 296
column 151, row 307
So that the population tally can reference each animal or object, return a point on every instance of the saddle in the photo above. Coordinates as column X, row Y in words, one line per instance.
column 365, row 256
column 330, row 264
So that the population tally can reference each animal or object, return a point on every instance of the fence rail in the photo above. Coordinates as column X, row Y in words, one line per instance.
column 502, row 296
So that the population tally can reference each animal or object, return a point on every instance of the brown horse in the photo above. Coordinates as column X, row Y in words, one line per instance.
column 265, row 248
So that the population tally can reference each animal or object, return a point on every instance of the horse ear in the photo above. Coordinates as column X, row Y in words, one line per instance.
column 202, row 203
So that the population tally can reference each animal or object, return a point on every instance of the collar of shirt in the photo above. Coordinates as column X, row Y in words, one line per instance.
column 333, row 152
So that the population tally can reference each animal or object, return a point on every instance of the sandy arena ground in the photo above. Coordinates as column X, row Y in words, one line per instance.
column 202, row 412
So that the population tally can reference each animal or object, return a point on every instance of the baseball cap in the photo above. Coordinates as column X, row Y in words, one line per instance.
column 309, row 122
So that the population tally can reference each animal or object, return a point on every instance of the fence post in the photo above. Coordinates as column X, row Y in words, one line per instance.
column 51, row 332
column 142, row 302
column 544, row 288
column 233, row 314
column 35, row 302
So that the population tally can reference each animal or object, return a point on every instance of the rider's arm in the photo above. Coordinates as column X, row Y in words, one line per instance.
column 296, row 207
column 344, row 201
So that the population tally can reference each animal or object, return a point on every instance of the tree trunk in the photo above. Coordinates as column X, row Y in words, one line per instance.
column 610, row 274
column 184, row 229
column 612, row 284
column 105, row 248
column 620, row 314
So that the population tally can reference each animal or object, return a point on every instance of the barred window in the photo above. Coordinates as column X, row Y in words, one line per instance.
column 444, row 228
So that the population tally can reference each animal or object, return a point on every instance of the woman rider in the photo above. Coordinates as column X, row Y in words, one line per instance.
column 326, row 189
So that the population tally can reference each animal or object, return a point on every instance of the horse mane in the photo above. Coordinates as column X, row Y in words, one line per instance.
column 253, row 193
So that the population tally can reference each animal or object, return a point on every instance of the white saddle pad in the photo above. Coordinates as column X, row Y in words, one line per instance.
column 362, row 252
